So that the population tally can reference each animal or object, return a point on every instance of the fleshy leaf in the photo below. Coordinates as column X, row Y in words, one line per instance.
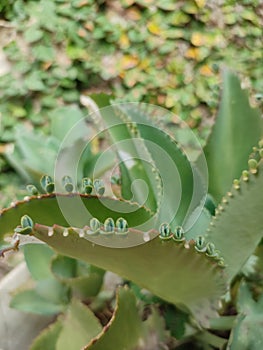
column 79, row 327
column 175, row 170
column 73, row 330
column 135, row 161
column 53, row 290
column 48, row 338
column 46, row 209
column 24, row 156
column 31, row 301
column 84, row 279
column 237, row 129
column 195, row 281
column 247, row 330
column 237, row 227
column 125, row 327
column 198, row 222
column 180, row 275
column 64, row 119
column 37, row 257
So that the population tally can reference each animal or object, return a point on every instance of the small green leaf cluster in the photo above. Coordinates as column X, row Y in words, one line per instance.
column 162, row 52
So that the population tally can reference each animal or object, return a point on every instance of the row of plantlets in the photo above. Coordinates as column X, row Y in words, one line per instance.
column 190, row 272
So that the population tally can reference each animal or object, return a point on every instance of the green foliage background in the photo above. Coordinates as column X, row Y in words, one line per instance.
column 161, row 52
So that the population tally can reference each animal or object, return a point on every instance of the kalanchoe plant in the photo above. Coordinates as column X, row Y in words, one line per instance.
column 191, row 267
column 33, row 153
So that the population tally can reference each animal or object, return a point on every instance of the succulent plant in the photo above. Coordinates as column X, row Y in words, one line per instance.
column 164, row 239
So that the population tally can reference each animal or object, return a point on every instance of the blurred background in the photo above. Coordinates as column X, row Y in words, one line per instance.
column 163, row 52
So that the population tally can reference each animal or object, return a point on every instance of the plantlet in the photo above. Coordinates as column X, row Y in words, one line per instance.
column 187, row 263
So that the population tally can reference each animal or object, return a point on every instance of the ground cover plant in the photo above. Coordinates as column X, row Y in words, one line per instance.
column 190, row 263
column 165, row 53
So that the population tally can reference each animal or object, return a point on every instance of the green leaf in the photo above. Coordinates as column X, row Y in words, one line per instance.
column 176, row 320
column 44, row 53
column 125, row 327
column 101, row 99
column 182, row 186
column 246, row 333
column 45, row 12
column 194, row 281
column 175, row 186
column 31, row 301
column 97, row 164
column 135, row 160
column 237, row 129
column 79, row 327
column 48, row 338
column 68, row 119
column 197, row 223
column 237, row 228
column 33, row 155
column 37, row 257
column 84, row 279
column 64, row 267
column 34, row 82
column 50, row 209
column 33, row 34
column 53, row 290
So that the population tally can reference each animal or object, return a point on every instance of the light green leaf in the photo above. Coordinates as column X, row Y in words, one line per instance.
column 53, row 290
column 197, row 223
column 125, row 327
column 85, row 280
column 237, row 129
column 34, row 82
column 79, row 327
column 43, row 53
column 68, row 119
column 48, row 338
column 38, row 257
column 182, row 186
column 237, row 229
column 247, row 331
column 31, row 301
column 47, row 209
column 33, row 34
column 136, row 162
column 194, row 281
column 33, row 154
